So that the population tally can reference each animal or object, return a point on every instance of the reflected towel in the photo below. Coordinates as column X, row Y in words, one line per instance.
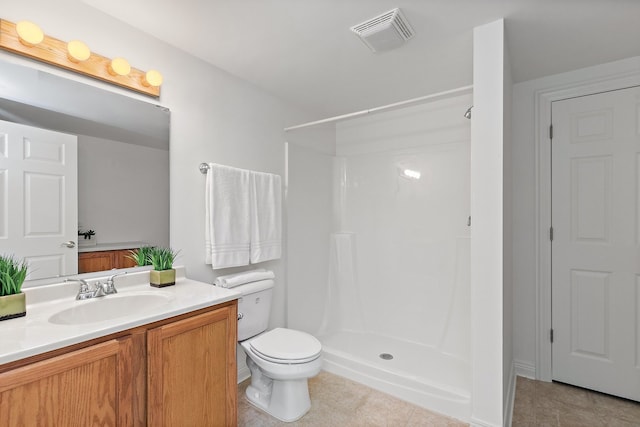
column 266, row 221
column 227, row 216
column 237, row 279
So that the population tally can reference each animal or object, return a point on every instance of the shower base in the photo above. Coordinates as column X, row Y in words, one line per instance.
column 412, row 372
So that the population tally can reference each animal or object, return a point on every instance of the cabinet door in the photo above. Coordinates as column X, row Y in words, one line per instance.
column 91, row 386
column 192, row 371
column 88, row 262
column 122, row 260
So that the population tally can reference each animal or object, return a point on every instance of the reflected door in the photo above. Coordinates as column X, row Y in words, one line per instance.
column 595, row 256
column 39, row 199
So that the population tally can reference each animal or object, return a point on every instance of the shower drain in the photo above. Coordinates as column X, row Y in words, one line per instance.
column 386, row 356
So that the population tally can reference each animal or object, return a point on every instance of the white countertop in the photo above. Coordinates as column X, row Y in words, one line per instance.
column 35, row 334
column 116, row 246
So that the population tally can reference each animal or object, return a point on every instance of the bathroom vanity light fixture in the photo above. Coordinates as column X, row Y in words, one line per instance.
column 27, row 39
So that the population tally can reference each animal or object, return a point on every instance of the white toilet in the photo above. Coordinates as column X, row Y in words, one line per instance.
column 280, row 360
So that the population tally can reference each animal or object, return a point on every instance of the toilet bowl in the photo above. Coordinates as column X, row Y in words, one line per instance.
column 280, row 360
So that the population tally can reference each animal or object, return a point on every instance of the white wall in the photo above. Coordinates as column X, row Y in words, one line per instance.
column 508, row 379
column 487, row 211
column 309, row 225
column 215, row 117
column 525, row 193
column 124, row 181
column 309, row 201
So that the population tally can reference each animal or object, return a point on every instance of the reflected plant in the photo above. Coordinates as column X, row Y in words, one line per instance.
column 141, row 255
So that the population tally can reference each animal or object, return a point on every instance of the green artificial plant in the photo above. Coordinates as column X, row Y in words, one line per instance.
column 162, row 258
column 141, row 255
column 13, row 272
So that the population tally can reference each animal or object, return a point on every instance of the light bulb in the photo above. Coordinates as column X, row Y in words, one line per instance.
column 77, row 51
column 29, row 33
column 119, row 67
column 152, row 78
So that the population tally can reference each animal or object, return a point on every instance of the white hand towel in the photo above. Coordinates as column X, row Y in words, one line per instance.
column 232, row 280
column 266, row 217
column 227, row 216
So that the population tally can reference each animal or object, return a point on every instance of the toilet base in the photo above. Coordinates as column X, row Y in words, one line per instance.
column 286, row 400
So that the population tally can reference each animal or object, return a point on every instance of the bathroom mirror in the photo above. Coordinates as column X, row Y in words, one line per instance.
column 122, row 164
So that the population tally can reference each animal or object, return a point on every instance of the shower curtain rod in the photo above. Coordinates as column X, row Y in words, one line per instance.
column 461, row 90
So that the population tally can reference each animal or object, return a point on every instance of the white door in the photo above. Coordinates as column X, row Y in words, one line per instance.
column 596, row 241
column 39, row 199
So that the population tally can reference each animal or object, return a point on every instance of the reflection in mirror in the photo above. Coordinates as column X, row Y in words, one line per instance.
column 78, row 159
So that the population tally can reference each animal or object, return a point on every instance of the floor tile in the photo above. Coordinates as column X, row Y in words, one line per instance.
column 556, row 404
column 338, row 401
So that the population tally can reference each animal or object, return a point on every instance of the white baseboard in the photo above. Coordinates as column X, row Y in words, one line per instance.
column 524, row 369
column 480, row 423
column 517, row 369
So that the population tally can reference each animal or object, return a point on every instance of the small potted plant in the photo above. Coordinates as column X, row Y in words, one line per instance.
column 141, row 255
column 163, row 273
column 12, row 299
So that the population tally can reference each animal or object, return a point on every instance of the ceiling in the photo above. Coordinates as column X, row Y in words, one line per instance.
column 304, row 52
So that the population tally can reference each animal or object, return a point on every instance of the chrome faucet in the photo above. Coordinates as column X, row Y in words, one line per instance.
column 84, row 292
column 100, row 289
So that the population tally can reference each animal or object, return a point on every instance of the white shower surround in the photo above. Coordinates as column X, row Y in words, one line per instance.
column 404, row 289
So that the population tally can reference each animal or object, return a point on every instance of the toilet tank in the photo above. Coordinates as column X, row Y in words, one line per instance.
column 254, row 308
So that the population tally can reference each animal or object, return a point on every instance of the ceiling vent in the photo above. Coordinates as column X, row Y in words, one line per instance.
column 384, row 32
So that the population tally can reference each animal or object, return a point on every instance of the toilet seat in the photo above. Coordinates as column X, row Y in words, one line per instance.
column 286, row 346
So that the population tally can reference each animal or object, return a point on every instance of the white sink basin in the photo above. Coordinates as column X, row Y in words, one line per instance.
column 109, row 307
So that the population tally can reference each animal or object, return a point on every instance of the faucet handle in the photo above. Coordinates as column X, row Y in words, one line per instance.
column 110, row 279
column 110, row 285
column 83, row 292
column 84, row 286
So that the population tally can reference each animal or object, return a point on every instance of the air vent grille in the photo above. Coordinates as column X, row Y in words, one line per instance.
column 386, row 31
column 378, row 20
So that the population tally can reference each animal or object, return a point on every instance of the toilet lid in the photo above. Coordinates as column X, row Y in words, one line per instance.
column 286, row 345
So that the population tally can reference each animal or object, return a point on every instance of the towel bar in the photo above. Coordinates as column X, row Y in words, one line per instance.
column 204, row 168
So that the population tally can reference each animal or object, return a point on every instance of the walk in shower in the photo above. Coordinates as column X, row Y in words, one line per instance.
column 378, row 249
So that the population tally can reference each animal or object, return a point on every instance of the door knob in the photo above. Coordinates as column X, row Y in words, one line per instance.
column 69, row 244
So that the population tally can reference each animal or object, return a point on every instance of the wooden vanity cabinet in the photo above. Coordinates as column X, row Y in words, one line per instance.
column 121, row 259
column 192, row 373
column 89, row 262
column 176, row 372
column 90, row 386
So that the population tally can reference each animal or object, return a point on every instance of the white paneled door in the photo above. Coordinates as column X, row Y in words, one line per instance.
column 39, row 199
column 596, row 241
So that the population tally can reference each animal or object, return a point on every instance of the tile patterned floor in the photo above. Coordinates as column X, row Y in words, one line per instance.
column 338, row 402
column 553, row 404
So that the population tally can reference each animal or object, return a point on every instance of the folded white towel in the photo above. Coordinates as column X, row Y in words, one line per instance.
column 232, row 280
column 227, row 216
column 266, row 217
